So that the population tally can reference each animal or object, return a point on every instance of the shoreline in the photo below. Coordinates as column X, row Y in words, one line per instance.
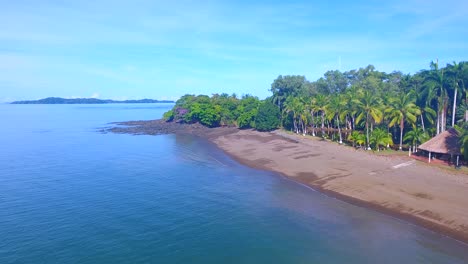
column 406, row 217
column 413, row 193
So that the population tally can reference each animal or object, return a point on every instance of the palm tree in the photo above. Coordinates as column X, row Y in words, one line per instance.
column 335, row 109
column 319, row 103
column 357, row 138
column 462, row 109
column 303, row 111
column 369, row 110
column 290, row 106
column 401, row 109
column 298, row 108
column 426, row 109
column 310, row 108
column 416, row 137
column 435, row 81
column 351, row 98
column 417, row 89
column 464, row 142
column 380, row 137
column 463, row 139
column 455, row 71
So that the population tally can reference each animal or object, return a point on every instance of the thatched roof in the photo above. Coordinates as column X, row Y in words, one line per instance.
column 444, row 143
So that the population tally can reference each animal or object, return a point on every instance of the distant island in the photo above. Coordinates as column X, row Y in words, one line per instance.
column 58, row 100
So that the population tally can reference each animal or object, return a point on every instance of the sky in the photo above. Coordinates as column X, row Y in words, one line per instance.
column 165, row 49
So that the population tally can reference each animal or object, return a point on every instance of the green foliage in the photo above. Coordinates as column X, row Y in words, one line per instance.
column 402, row 109
column 248, row 107
column 268, row 117
column 218, row 110
column 463, row 135
column 169, row 115
column 364, row 103
column 205, row 113
column 289, row 85
column 357, row 138
column 380, row 138
column 247, row 119
column 416, row 136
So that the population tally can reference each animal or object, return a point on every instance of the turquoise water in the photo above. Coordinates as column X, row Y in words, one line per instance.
column 69, row 194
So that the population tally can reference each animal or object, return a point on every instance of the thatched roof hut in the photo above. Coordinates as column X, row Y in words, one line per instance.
column 446, row 142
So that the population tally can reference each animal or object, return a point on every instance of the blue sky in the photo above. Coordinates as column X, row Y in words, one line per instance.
column 162, row 50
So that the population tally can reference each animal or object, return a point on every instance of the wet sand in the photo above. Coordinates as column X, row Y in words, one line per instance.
column 398, row 186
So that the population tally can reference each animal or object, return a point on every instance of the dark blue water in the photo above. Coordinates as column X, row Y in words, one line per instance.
column 69, row 194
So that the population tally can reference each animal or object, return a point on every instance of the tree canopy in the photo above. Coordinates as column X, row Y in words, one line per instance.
column 362, row 106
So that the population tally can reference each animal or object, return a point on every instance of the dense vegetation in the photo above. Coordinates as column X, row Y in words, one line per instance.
column 218, row 110
column 363, row 107
column 58, row 100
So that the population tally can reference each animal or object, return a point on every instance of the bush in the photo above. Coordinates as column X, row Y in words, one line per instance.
column 268, row 117
column 168, row 116
column 247, row 119
column 207, row 114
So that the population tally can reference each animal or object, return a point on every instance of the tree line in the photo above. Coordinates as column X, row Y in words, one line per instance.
column 226, row 110
column 362, row 107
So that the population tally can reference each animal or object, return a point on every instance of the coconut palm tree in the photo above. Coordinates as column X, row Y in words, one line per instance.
column 462, row 109
column 402, row 108
column 299, row 110
column 425, row 106
column 417, row 88
column 463, row 135
column 319, row 103
column 335, row 108
column 369, row 110
column 303, row 117
column 416, row 137
column 291, row 106
column 380, row 137
column 455, row 72
column 351, row 97
column 310, row 108
column 435, row 80
column 357, row 137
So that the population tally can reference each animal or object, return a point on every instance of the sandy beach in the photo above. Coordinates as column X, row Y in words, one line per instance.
column 399, row 186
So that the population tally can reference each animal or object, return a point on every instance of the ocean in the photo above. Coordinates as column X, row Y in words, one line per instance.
column 71, row 194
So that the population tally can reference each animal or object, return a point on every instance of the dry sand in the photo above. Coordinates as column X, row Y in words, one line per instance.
column 399, row 186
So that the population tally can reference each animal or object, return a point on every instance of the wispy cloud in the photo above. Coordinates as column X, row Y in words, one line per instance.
column 161, row 48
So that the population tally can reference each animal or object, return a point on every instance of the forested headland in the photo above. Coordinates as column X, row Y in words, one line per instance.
column 362, row 107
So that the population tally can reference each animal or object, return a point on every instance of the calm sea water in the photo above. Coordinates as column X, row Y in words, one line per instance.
column 69, row 194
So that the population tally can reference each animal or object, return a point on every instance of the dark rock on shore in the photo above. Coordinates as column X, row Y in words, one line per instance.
column 161, row 127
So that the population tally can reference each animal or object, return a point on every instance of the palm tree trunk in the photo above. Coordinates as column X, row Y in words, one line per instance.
column 402, row 124
column 367, row 130
column 442, row 121
column 295, row 123
column 454, row 106
column 438, row 121
column 444, row 116
column 339, row 129
column 422, row 123
column 305, row 129
column 323, row 124
column 312, row 120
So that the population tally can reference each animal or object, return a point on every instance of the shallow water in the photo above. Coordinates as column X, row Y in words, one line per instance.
column 69, row 194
